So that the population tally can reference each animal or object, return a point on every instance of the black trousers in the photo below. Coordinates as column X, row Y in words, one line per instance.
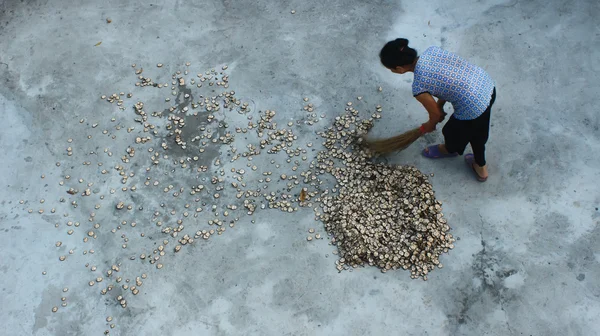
column 459, row 133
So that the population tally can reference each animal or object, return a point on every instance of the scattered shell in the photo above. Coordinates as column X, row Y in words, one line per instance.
column 377, row 214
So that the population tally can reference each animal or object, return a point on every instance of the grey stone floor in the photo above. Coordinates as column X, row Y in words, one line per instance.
column 527, row 262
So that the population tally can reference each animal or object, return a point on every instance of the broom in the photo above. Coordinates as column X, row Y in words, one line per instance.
column 398, row 142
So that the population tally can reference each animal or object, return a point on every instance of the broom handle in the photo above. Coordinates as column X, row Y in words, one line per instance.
column 422, row 129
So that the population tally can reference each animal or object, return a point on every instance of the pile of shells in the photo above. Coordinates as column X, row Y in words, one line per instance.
column 382, row 215
column 200, row 151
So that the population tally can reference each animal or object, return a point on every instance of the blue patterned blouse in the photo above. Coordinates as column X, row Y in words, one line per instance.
column 449, row 77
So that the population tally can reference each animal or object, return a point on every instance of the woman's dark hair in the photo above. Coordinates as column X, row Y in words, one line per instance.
column 397, row 53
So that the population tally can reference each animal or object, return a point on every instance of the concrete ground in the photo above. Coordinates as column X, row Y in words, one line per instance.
column 528, row 258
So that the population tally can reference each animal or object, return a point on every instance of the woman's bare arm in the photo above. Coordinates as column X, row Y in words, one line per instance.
column 436, row 113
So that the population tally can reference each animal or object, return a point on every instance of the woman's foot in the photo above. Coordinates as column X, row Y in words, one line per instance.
column 480, row 172
column 437, row 152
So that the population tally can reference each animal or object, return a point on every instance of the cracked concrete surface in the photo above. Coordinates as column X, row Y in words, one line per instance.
column 527, row 262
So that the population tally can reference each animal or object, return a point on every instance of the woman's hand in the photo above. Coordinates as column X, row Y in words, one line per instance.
column 435, row 110
column 441, row 103
column 444, row 114
column 436, row 113
column 428, row 127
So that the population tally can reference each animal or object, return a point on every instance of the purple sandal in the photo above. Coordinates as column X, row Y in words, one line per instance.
column 470, row 161
column 433, row 152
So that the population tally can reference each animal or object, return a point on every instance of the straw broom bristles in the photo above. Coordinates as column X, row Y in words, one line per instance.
column 396, row 143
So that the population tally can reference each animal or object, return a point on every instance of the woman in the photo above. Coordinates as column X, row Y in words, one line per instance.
column 449, row 78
